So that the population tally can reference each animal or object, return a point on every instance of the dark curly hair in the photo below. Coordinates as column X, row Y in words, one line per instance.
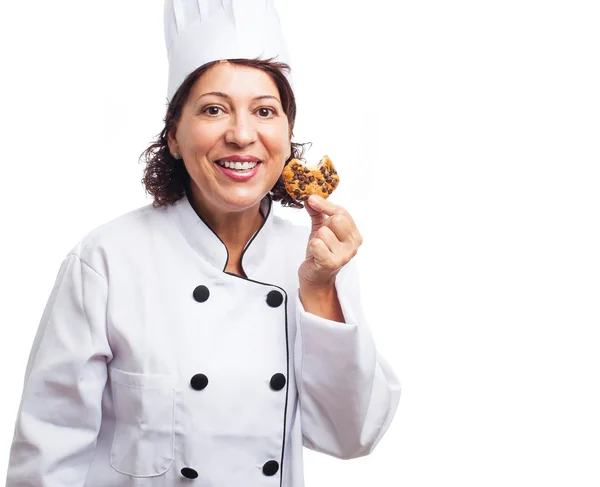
column 166, row 178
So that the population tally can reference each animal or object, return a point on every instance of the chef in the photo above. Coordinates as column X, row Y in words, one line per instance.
column 202, row 340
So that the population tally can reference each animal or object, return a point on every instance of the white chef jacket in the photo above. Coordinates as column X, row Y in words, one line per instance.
column 154, row 367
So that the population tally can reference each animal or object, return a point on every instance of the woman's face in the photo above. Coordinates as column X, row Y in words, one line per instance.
column 233, row 116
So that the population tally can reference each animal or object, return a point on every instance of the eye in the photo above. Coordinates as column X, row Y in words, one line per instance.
column 212, row 110
column 265, row 112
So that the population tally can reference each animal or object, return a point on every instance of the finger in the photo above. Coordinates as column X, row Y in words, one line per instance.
column 320, row 251
column 327, row 207
column 329, row 238
column 346, row 232
column 317, row 217
column 340, row 252
column 341, row 227
column 322, row 205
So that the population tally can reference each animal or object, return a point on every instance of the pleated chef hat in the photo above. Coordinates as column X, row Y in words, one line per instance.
column 201, row 31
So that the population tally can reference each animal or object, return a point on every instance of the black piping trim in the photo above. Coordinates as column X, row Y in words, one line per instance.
column 287, row 341
column 249, row 242
column 188, row 196
column 287, row 384
column 255, row 234
column 215, row 233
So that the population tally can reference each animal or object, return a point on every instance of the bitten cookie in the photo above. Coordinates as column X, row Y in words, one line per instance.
column 302, row 181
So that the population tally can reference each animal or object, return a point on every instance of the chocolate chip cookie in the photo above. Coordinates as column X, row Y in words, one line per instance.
column 302, row 181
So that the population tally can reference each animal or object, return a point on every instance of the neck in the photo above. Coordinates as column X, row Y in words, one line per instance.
column 234, row 228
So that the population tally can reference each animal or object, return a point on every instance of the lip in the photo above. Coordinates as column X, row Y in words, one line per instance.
column 237, row 158
column 239, row 176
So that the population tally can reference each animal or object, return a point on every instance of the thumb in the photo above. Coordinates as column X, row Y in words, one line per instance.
column 313, row 208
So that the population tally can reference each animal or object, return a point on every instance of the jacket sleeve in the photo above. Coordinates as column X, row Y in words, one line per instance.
column 60, row 410
column 348, row 392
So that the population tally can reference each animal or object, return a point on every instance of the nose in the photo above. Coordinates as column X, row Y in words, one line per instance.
column 241, row 131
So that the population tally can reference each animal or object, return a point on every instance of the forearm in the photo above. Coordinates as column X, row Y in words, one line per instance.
column 348, row 393
column 321, row 301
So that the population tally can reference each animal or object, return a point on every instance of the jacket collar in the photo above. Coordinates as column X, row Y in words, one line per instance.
column 201, row 237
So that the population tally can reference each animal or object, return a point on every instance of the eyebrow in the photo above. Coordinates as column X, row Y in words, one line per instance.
column 226, row 96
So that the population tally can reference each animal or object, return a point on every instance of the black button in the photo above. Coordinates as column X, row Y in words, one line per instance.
column 278, row 382
column 201, row 294
column 274, row 299
column 189, row 473
column 199, row 382
column 270, row 468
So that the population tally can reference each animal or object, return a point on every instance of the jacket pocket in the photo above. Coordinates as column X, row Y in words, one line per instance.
column 144, row 406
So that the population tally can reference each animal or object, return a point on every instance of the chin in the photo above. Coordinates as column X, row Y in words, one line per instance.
column 244, row 199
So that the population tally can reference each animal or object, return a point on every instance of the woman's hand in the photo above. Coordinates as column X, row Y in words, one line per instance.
column 333, row 241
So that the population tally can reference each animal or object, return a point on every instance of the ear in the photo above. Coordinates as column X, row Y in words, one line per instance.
column 171, row 141
column 291, row 134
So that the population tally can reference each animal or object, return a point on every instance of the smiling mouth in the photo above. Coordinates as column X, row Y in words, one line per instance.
column 237, row 166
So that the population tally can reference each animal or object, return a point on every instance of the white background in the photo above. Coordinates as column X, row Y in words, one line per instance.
column 466, row 134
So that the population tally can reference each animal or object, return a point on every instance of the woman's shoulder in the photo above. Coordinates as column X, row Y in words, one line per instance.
column 127, row 231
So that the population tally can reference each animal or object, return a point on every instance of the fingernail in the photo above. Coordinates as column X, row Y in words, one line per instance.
column 313, row 200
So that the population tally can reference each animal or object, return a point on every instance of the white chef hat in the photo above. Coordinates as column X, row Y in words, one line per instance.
column 201, row 31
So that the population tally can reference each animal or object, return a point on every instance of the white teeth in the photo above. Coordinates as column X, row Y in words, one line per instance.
column 237, row 165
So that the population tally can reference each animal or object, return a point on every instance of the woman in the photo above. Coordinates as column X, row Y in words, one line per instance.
column 201, row 338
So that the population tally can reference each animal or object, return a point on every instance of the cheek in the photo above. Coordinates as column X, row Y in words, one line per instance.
column 278, row 143
column 201, row 137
